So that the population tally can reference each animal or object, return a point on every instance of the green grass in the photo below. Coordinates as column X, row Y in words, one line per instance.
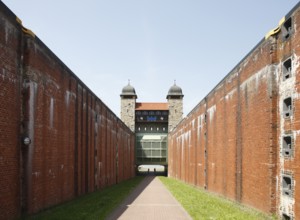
column 203, row 205
column 97, row 205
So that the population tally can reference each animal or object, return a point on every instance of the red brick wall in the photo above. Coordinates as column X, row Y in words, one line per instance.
column 74, row 133
column 77, row 144
column 10, row 115
column 231, row 142
column 290, row 166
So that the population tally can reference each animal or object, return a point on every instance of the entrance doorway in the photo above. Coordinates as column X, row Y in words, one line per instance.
column 158, row 170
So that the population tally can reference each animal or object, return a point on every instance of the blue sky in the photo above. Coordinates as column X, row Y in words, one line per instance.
column 150, row 42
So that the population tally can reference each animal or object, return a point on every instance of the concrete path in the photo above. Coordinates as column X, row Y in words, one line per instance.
column 150, row 200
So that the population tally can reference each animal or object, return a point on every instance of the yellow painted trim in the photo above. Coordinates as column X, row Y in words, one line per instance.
column 19, row 20
column 275, row 30
column 25, row 30
column 29, row 32
column 272, row 32
column 282, row 20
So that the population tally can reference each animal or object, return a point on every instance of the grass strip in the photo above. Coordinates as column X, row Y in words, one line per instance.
column 96, row 205
column 203, row 205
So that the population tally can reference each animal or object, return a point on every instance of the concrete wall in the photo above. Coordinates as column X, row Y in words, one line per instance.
column 231, row 143
column 78, row 145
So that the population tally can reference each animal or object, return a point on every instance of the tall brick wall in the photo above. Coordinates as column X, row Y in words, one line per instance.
column 289, row 124
column 10, row 114
column 233, row 142
column 78, row 145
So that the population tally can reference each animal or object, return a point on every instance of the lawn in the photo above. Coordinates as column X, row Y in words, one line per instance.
column 203, row 205
column 97, row 205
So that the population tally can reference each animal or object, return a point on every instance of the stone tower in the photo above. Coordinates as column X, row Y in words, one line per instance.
column 175, row 101
column 128, row 98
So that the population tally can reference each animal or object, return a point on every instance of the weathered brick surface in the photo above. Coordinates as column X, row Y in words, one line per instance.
column 77, row 144
column 10, row 115
column 236, row 131
column 231, row 143
column 289, row 48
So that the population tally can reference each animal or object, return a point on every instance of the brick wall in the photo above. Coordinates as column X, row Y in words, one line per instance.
column 78, row 145
column 232, row 144
column 10, row 114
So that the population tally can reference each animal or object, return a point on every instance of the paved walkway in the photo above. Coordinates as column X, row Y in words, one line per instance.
column 150, row 200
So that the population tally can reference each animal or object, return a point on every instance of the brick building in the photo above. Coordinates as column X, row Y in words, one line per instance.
column 59, row 140
column 242, row 140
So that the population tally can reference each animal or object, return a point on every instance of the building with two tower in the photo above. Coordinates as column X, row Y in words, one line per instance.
column 151, row 123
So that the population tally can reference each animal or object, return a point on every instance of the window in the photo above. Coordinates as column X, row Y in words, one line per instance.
column 287, row 69
column 286, row 29
column 287, row 146
column 285, row 217
column 287, row 107
column 287, row 185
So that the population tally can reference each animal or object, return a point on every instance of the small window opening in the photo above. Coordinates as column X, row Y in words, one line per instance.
column 287, row 107
column 287, row 146
column 287, row 29
column 285, row 217
column 287, row 69
column 164, row 128
column 287, row 185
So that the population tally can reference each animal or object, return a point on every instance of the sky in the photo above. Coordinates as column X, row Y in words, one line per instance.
column 151, row 42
